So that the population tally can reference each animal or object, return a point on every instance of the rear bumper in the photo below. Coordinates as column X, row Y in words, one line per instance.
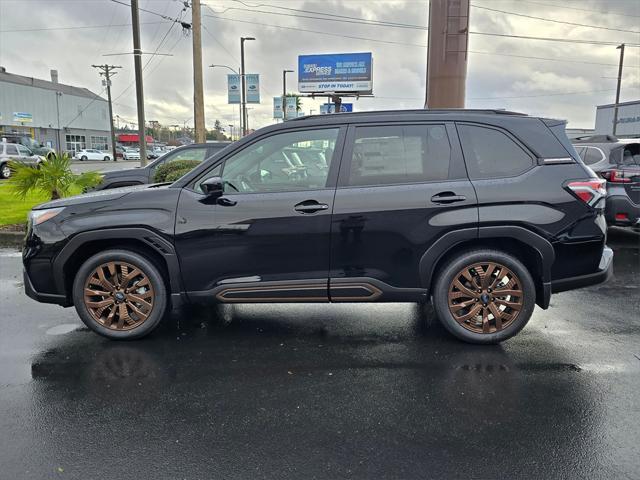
column 604, row 272
column 622, row 205
column 43, row 297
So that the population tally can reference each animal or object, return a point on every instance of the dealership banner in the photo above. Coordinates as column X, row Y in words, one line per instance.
column 331, row 108
column 342, row 72
column 253, row 87
column 233, row 88
column 277, row 107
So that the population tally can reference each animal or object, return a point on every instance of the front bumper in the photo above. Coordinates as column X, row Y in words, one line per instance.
column 604, row 272
column 43, row 297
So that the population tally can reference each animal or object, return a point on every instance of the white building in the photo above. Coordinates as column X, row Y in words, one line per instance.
column 628, row 119
column 60, row 116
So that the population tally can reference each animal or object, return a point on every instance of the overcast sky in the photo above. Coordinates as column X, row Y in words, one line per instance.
column 553, row 88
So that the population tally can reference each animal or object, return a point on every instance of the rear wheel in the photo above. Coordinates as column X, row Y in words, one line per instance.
column 106, row 159
column 120, row 294
column 5, row 171
column 484, row 296
column 83, row 158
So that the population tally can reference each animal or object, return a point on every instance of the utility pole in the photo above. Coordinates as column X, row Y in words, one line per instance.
column 137, row 62
column 615, row 109
column 284, row 92
column 243, row 87
column 198, row 93
column 231, row 131
column 107, row 72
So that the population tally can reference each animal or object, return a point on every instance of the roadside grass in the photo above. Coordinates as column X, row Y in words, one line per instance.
column 14, row 210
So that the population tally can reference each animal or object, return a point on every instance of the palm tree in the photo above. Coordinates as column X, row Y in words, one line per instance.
column 53, row 177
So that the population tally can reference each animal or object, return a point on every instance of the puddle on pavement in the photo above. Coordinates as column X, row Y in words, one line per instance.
column 63, row 329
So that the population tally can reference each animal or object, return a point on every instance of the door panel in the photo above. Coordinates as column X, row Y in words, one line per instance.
column 381, row 232
column 268, row 236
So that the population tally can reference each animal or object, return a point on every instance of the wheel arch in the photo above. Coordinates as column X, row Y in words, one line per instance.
column 143, row 241
column 534, row 251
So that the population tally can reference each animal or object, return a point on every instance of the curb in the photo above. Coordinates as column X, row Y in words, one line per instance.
column 11, row 239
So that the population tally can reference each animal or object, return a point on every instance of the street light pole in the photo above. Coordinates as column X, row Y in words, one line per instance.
column 615, row 109
column 231, row 131
column 284, row 92
column 243, row 98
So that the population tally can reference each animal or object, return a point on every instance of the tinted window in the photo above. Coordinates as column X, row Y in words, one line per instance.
column 592, row 155
column 399, row 154
column 12, row 150
column 269, row 166
column 491, row 153
column 198, row 154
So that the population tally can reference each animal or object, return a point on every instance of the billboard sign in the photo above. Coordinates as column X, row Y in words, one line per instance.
column 331, row 108
column 277, row 107
column 253, row 87
column 233, row 88
column 290, row 108
column 22, row 117
column 341, row 72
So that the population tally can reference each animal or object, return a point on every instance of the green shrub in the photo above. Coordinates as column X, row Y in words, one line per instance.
column 183, row 166
column 175, row 175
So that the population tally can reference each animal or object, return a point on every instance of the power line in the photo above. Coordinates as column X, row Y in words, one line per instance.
column 579, row 9
column 166, row 17
column 77, row 27
column 552, row 20
column 423, row 28
column 97, row 97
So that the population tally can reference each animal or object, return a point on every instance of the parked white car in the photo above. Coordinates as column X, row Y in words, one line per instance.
column 130, row 154
column 92, row 154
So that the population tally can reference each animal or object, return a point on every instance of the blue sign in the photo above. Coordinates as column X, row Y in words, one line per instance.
column 342, row 72
column 253, row 87
column 233, row 88
column 331, row 108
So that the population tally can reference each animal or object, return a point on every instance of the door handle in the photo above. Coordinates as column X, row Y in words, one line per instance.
column 310, row 206
column 445, row 198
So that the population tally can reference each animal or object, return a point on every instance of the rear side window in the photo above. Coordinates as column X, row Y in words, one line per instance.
column 12, row 150
column 490, row 153
column 592, row 155
column 393, row 154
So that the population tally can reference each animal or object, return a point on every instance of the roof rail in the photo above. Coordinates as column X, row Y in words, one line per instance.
column 420, row 111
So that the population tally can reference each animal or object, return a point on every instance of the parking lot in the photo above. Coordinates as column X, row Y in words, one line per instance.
column 324, row 391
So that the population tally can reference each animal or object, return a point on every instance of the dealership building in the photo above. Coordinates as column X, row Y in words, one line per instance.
column 60, row 116
column 628, row 119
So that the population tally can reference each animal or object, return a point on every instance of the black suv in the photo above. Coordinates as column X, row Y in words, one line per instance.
column 140, row 176
column 618, row 162
column 484, row 212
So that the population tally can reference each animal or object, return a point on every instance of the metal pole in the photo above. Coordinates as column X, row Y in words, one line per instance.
column 58, row 95
column 243, row 91
column 137, row 62
column 615, row 109
column 198, row 93
column 284, row 92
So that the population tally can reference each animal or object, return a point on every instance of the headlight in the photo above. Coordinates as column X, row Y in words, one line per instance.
column 39, row 216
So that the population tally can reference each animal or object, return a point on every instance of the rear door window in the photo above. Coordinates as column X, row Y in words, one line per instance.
column 393, row 154
column 491, row 153
column 592, row 155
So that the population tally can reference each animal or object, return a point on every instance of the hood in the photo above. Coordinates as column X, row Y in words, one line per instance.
column 98, row 196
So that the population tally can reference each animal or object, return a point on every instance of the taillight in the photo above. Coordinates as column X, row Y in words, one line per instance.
column 589, row 191
column 616, row 176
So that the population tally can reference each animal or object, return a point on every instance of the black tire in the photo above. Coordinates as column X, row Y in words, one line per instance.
column 147, row 267
column 5, row 170
column 106, row 159
column 83, row 158
column 448, row 273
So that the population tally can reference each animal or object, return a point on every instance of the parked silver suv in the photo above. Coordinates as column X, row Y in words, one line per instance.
column 17, row 152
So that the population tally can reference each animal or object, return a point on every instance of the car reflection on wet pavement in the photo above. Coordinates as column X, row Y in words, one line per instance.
column 325, row 391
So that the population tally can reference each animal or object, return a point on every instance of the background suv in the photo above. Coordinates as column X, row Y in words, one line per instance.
column 618, row 162
column 139, row 176
column 17, row 152
column 484, row 212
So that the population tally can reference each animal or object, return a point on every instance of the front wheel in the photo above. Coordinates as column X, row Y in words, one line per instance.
column 83, row 158
column 5, row 171
column 484, row 296
column 106, row 159
column 120, row 294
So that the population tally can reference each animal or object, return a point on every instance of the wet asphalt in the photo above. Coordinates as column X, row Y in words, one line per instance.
column 324, row 391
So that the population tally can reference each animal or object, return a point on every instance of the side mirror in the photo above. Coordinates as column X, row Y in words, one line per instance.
column 213, row 187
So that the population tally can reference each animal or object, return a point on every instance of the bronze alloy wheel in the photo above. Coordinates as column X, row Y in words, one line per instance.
column 118, row 295
column 485, row 297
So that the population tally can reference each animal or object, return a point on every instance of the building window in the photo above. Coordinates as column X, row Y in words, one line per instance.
column 75, row 143
column 99, row 143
